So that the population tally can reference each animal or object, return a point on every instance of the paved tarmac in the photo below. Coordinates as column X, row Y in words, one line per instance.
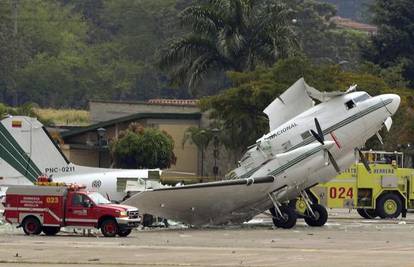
column 346, row 240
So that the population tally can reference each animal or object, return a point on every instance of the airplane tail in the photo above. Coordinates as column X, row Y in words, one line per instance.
column 26, row 149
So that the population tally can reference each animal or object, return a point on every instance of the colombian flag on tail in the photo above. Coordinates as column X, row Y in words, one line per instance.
column 16, row 123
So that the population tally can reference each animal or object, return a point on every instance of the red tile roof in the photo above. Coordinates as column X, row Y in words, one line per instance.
column 177, row 102
column 351, row 24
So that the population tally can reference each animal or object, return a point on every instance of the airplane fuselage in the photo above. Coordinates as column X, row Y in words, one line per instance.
column 347, row 122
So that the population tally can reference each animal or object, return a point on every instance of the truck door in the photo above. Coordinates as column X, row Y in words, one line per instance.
column 79, row 213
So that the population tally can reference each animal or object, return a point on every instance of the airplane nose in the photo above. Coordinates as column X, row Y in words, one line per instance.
column 392, row 102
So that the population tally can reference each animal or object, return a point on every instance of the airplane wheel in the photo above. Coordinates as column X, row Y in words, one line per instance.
column 31, row 226
column 367, row 213
column 289, row 217
column 320, row 213
column 389, row 206
column 50, row 230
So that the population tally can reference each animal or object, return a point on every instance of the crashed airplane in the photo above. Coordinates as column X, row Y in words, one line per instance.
column 307, row 144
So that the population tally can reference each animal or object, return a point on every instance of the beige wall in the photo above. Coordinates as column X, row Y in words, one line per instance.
column 85, row 157
column 187, row 155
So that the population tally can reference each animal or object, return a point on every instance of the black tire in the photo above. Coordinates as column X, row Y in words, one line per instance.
column 32, row 226
column 109, row 228
column 367, row 213
column 389, row 206
column 147, row 220
column 48, row 230
column 320, row 213
column 289, row 217
column 124, row 232
column 371, row 213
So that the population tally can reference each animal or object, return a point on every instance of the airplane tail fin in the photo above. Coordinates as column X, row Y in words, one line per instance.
column 27, row 148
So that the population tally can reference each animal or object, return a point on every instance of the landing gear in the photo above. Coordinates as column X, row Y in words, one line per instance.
column 319, row 217
column 287, row 219
column 315, row 214
column 283, row 216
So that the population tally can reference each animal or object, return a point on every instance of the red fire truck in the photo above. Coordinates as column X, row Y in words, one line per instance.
column 49, row 206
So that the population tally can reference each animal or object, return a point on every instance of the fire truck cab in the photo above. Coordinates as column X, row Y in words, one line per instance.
column 49, row 206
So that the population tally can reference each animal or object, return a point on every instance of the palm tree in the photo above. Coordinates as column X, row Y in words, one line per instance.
column 229, row 35
column 201, row 138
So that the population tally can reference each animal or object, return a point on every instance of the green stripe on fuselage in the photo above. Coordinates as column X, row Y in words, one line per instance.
column 15, row 156
column 295, row 161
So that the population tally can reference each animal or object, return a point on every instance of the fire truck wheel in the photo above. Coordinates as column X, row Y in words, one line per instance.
column 124, row 232
column 31, row 226
column 367, row 213
column 389, row 206
column 289, row 217
column 109, row 228
column 50, row 230
column 371, row 213
column 320, row 213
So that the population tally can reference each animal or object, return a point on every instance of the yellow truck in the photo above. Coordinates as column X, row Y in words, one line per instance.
column 387, row 192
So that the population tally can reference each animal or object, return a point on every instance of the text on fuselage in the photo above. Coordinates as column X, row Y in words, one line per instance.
column 60, row 169
column 283, row 130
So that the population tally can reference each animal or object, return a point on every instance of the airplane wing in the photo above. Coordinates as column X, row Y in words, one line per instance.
column 292, row 102
column 240, row 200
column 295, row 100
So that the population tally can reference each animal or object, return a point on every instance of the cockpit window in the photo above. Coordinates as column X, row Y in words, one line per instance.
column 350, row 104
column 362, row 98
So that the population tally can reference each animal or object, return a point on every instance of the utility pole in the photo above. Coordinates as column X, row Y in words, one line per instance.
column 14, row 15
column 14, row 6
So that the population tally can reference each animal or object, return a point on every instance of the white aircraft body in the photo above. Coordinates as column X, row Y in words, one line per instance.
column 307, row 144
column 27, row 151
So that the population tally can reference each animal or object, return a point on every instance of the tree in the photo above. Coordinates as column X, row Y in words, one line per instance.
column 143, row 148
column 229, row 35
column 394, row 43
column 66, row 52
column 354, row 9
column 201, row 138
column 320, row 40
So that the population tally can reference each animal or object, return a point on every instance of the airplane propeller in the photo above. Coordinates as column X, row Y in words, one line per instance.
column 364, row 160
column 321, row 139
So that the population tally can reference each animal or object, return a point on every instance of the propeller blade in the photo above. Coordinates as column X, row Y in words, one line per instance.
column 379, row 138
column 319, row 129
column 333, row 161
column 388, row 123
column 317, row 137
column 364, row 160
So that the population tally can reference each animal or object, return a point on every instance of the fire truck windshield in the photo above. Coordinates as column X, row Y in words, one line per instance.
column 98, row 198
